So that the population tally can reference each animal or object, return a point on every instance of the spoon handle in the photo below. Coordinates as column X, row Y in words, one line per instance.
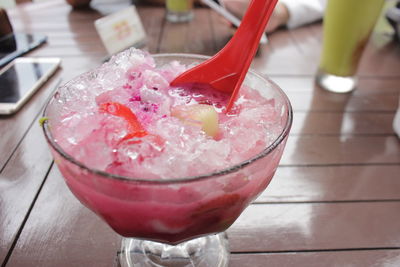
column 226, row 70
column 243, row 46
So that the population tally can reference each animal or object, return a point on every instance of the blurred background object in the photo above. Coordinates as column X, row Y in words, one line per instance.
column 288, row 13
column 5, row 25
column 179, row 10
column 78, row 3
column 347, row 28
column 393, row 16
column 12, row 3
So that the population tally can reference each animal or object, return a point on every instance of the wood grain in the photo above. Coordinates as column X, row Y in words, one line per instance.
column 61, row 232
column 153, row 20
column 189, row 38
column 323, row 226
column 373, row 94
column 341, row 150
column 20, row 181
column 374, row 258
column 333, row 184
column 334, row 123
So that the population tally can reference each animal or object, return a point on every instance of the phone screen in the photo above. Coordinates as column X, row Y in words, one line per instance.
column 16, row 81
column 14, row 45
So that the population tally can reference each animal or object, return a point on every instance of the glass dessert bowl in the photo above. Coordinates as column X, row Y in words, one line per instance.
column 172, row 220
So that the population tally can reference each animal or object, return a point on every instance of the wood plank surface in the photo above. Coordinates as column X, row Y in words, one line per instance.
column 285, row 58
column 380, row 57
column 334, row 123
column 61, row 232
column 20, row 182
column 189, row 38
column 153, row 20
column 341, row 150
column 373, row 94
column 322, row 226
column 375, row 258
column 333, row 184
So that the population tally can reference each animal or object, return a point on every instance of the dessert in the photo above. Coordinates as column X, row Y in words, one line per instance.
column 164, row 163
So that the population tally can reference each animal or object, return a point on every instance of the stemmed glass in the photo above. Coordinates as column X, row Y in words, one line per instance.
column 175, row 222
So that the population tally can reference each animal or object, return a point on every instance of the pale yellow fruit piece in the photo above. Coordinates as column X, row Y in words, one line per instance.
column 201, row 115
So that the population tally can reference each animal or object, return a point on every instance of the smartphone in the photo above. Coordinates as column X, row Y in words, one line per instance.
column 20, row 79
column 218, row 7
column 14, row 45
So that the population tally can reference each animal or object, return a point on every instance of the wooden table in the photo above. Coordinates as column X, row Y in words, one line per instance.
column 334, row 201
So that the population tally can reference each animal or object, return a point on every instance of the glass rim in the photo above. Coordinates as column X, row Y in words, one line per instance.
column 231, row 169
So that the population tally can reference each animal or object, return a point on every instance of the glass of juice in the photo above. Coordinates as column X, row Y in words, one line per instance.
column 346, row 30
column 145, row 157
column 179, row 10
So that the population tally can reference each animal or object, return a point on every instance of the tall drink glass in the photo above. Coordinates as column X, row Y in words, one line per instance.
column 173, row 221
column 347, row 27
column 179, row 10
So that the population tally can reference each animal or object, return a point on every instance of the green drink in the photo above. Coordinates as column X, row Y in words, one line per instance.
column 347, row 27
column 179, row 10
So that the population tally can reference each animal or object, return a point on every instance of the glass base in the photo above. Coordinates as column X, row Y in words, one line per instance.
column 207, row 251
column 336, row 84
column 179, row 16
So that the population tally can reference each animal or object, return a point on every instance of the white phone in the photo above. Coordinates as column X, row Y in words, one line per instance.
column 21, row 78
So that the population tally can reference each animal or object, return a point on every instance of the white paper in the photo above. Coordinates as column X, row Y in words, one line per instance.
column 121, row 30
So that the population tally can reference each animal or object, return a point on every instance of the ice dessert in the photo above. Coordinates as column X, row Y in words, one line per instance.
column 159, row 162
column 134, row 124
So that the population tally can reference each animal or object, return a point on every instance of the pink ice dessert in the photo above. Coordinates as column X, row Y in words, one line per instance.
column 160, row 162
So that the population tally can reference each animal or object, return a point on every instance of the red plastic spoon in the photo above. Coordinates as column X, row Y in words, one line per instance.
column 226, row 70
